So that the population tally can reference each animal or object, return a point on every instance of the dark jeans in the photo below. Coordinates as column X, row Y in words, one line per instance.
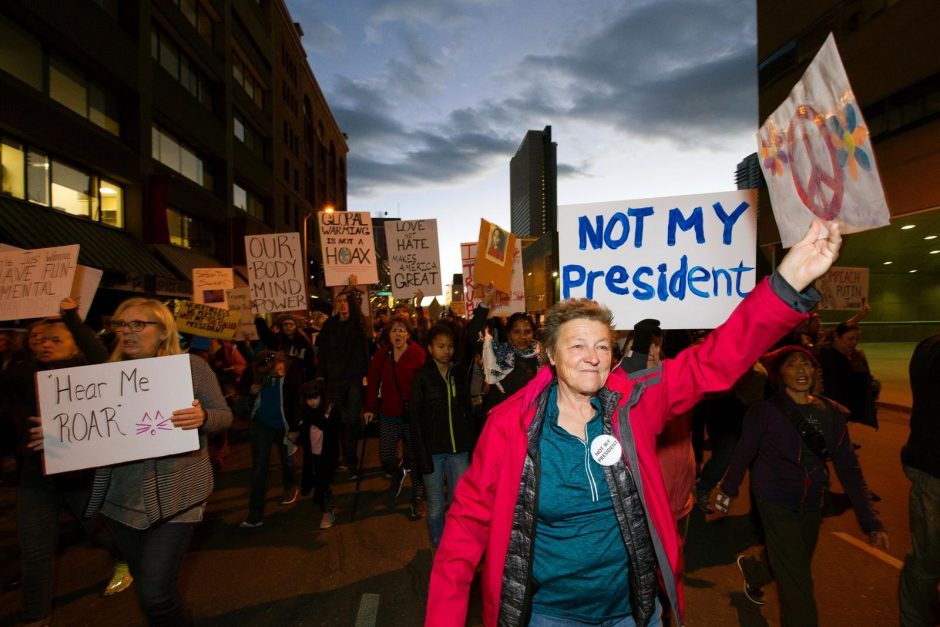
column 155, row 556
column 317, row 474
column 262, row 439
column 347, row 395
column 39, row 501
column 921, row 572
column 787, row 558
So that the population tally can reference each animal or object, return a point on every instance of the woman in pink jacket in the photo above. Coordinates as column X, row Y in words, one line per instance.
column 565, row 496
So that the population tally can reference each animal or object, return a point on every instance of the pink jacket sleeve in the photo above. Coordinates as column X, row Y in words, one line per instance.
column 715, row 365
column 466, row 532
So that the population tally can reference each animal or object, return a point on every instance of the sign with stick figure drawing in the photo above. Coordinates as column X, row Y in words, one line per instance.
column 115, row 412
column 816, row 154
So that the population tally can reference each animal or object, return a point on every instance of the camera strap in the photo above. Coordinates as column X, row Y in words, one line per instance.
column 812, row 437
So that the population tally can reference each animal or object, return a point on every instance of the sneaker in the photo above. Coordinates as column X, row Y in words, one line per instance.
column 290, row 496
column 417, row 510
column 251, row 524
column 120, row 580
column 327, row 521
column 754, row 594
column 398, row 480
column 342, row 467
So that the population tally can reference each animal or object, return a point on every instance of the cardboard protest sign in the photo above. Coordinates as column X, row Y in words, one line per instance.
column 843, row 289
column 494, row 256
column 114, row 412
column 817, row 156
column 206, row 321
column 84, row 287
column 210, row 284
column 684, row 260
column 275, row 272
column 509, row 302
column 348, row 247
column 414, row 260
column 239, row 299
column 34, row 282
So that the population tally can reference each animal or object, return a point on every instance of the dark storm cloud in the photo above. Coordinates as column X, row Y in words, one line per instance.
column 683, row 71
column 678, row 70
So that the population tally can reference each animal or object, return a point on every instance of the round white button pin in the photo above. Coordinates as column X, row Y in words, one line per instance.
column 605, row 449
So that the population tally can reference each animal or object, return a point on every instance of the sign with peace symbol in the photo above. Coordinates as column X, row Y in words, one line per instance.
column 808, row 145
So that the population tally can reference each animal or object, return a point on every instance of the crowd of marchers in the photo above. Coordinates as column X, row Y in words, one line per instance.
column 557, row 458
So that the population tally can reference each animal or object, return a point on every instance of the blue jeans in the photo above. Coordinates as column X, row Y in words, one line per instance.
column 921, row 572
column 449, row 466
column 262, row 439
column 541, row 620
column 155, row 556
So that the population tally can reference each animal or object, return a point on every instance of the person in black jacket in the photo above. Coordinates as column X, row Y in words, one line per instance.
column 442, row 425
column 319, row 438
column 343, row 354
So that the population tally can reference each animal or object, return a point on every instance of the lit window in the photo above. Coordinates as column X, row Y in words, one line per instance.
column 12, row 169
column 67, row 87
column 71, row 190
column 37, row 177
column 111, row 198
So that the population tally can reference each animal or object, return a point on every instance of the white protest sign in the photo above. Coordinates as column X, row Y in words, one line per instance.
column 239, row 299
column 508, row 303
column 817, row 156
column 84, row 287
column 684, row 260
column 275, row 272
column 843, row 289
column 209, row 285
column 34, row 282
column 348, row 247
column 114, row 412
column 414, row 260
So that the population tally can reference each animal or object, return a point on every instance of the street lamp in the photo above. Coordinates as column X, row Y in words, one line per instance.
column 310, row 214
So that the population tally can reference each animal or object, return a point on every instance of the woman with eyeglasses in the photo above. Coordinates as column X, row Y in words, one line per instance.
column 152, row 505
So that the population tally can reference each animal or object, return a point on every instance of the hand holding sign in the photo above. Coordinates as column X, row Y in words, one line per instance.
column 812, row 256
column 190, row 417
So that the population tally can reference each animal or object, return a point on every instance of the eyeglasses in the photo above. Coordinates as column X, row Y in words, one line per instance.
column 134, row 325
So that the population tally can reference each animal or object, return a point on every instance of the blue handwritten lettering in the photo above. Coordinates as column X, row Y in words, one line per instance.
column 693, row 221
column 728, row 220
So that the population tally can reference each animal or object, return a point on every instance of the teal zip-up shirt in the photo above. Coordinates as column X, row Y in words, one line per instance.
column 580, row 564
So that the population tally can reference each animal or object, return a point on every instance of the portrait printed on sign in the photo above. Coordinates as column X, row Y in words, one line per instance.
column 497, row 242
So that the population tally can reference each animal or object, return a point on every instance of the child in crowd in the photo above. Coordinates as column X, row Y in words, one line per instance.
column 319, row 438
column 442, row 424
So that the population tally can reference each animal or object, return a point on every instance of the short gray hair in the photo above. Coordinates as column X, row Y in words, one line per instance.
column 568, row 310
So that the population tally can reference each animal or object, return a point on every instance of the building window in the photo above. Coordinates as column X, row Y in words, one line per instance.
column 179, row 158
column 12, row 169
column 183, row 69
column 248, row 202
column 20, row 54
column 247, row 135
column 31, row 175
column 188, row 232
column 71, row 88
column 196, row 14
column 246, row 77
column 71, row 190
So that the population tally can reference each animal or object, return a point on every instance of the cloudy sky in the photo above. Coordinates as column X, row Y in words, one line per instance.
column 645, row 99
